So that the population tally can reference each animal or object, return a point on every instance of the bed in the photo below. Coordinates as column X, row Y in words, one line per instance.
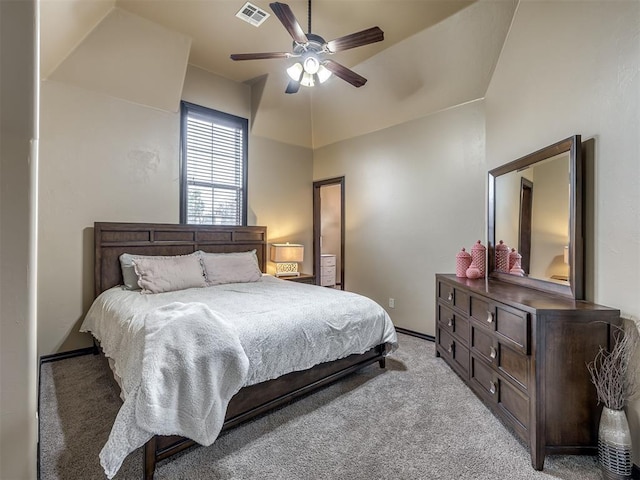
column 255, row 397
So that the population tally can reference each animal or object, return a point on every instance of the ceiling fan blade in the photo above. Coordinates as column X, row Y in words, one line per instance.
column 358, row 39
column 288, row 19
column 344, row 73
column 259, row 56
column 292, row 87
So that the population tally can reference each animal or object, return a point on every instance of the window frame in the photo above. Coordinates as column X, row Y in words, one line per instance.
column 221, row 118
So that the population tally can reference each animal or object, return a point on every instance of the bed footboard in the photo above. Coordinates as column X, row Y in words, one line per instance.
column 254, row 400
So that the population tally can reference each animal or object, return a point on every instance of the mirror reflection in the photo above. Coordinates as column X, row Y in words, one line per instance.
column 532, row 208
column 536, row 206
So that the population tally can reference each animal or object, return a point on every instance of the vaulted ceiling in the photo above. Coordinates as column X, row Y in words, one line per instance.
column 436, row 54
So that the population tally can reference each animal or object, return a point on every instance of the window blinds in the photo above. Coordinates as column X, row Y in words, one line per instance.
column 214, row 167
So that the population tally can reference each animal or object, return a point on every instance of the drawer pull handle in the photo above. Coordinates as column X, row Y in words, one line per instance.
column 450, row 297
column 450, row 349
column 492, row 388
column 490, row 317
column 492, row 352
column 451, row 322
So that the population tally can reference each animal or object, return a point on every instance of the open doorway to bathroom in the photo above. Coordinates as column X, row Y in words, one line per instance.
column 328, row 232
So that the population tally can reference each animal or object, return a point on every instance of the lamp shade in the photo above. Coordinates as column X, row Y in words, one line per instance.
column 287, row 252
column 309, row 73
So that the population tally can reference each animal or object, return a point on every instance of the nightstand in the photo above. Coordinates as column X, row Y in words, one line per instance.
column 303, row 278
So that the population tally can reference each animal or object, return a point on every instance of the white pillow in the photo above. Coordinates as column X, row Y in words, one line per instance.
column 168, row 274
column 129, row 277
column 234, row 267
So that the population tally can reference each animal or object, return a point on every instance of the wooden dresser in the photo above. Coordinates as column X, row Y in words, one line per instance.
column 524, row 353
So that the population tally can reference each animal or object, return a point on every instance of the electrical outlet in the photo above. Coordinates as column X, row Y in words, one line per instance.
column 392, row 302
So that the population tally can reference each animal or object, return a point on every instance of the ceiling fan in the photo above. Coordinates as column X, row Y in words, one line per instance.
column 312, row 51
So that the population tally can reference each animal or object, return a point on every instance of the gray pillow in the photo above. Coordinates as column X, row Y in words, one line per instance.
column 129, row 277
column 238, row 267
column 169, row 274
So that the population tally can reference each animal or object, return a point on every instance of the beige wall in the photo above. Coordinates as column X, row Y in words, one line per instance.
column 281, row 194
column 18, row 122
column 106, row 159
column 101, row 159
column 414, row 197
column 573, row 69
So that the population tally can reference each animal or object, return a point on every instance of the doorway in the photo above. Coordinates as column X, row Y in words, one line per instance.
column 328, row 232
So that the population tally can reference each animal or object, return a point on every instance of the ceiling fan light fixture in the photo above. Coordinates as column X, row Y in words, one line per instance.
column 323, row 74
column 311, row 65
column 295, row 71
column 307, row 80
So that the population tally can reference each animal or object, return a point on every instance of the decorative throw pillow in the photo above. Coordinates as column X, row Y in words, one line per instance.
column 238, row 267
column 168, row 274
column 129, row 277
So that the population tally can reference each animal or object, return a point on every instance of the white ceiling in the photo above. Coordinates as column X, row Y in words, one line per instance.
column 436, row 54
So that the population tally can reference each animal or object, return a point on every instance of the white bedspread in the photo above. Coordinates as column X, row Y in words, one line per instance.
column 281, row 326
column 188, row 366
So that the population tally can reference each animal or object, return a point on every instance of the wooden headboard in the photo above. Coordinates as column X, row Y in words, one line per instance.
column 113, row 239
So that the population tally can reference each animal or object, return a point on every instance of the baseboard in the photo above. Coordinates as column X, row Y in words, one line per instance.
column 424, row 336
column 54, row 357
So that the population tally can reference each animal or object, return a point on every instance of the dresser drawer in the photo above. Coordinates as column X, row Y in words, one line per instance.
column 461, row 301
column 513, row 364
column 501, row 394
column 484, row 344
column 482, row 311
column 328, row 271
column 328, row 260
column 328, row 276
column 445, row 293
column 454, row 323
column 453, row 297
column 454, row 352
column 484, row 379
column 514, row 404
column 500, row 356
column 513, row 325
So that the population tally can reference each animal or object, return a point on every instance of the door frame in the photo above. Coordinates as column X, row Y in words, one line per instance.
column 317, row 230
column 524, row 223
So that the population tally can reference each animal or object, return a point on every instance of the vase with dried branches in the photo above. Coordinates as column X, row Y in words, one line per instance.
column 614, row 375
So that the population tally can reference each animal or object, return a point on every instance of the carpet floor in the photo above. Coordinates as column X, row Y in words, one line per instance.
column 414, row 420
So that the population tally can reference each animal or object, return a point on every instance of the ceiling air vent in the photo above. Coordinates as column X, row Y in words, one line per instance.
column 252, row 14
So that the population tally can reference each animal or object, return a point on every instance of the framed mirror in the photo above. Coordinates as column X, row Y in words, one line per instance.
column 536, row 207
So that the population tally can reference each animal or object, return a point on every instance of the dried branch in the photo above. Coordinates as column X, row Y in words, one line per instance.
column 614, row 373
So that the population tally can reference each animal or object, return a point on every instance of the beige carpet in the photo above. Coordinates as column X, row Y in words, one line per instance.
column 414, row 420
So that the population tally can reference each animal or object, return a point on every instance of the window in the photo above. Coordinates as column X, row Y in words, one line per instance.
column 213, row 167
